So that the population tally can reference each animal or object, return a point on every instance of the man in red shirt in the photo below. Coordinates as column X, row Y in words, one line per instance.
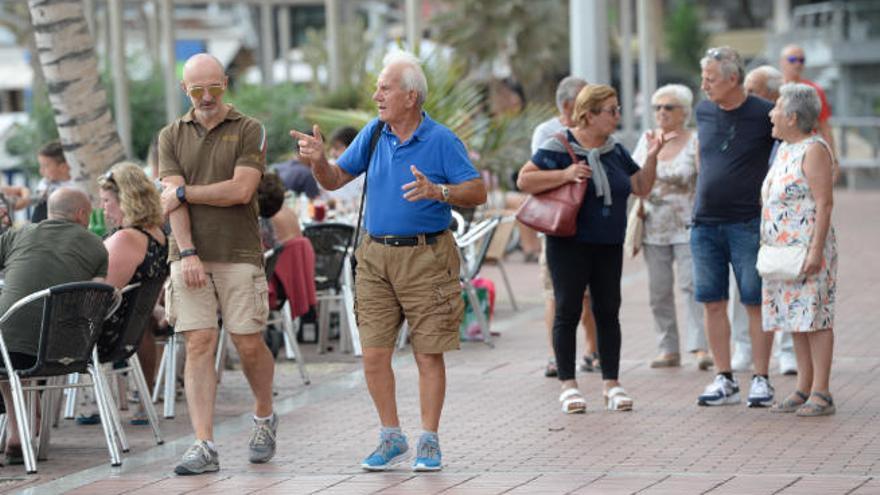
column 791, row 63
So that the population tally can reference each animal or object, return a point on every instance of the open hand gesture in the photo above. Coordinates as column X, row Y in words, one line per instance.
column 311, row 148
column 656, row 141
column 421, row 188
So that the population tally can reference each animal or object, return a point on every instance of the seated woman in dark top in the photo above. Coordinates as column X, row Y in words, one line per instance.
column 138, row 247
column 278, row 223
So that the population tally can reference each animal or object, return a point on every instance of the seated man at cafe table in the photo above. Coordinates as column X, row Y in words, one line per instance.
column 55, row 251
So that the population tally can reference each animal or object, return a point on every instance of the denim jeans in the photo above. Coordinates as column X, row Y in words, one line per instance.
column 714, row 248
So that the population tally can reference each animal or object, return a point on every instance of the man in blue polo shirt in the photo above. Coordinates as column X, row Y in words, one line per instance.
column 735, row 143
column 408, row 265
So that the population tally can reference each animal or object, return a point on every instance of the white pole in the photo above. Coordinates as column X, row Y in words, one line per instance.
column 647, row 59
column 413, row 24
column 588, row 40
column 334, row 69
column 284, row 40
column 267, row 42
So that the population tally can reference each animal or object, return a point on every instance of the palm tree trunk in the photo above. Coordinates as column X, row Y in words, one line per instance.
column 70, row 67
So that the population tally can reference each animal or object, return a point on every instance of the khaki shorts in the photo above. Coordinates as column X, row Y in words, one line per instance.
column 545, row 273
column 419, row 283
column 237, row 292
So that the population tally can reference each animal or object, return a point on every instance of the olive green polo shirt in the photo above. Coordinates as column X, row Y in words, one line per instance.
column 37, row 257
column 229, row 234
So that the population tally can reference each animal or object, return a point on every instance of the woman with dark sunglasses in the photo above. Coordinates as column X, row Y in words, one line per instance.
column 667, row 214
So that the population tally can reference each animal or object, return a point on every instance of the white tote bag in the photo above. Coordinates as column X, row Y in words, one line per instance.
column 781, row 263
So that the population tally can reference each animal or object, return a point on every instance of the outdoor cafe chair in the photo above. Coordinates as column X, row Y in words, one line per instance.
column 333, row 281
column 139, row 300
column 72, row 319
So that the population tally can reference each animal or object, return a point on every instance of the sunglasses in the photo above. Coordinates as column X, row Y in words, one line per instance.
column 667, row 107
column 107, row 179
column 197, row 92
column 792, row 59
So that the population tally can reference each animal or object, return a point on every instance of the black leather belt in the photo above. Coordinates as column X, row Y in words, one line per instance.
column 400, row 241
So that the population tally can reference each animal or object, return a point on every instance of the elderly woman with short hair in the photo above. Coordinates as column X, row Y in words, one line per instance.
column 594, row 255
column 668, row 210
column 797, row 200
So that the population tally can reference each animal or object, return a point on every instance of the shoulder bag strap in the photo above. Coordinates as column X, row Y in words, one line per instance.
column 374, row 140
column 562, row 138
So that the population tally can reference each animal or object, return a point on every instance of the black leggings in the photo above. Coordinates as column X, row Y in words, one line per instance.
column 573, row 266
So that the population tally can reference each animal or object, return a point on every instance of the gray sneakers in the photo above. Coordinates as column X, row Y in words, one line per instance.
column 262, row 444
column 198, row 459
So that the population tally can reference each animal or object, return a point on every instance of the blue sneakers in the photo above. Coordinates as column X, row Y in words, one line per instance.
column 428, row 457
column 720, row 393
column 392, row 448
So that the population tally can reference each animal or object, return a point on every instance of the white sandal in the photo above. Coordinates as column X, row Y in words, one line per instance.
column 617, row 399
column 573, row 401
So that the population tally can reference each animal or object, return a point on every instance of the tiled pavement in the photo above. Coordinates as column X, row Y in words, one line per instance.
column 502, row 430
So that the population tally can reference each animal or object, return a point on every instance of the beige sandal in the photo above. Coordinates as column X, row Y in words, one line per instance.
column 617, row 399
column 573, row 401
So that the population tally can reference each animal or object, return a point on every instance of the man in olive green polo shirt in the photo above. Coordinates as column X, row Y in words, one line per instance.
column 55, row 251
column 211, row 161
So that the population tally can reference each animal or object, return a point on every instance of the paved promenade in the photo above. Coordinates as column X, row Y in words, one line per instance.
column 503, row 431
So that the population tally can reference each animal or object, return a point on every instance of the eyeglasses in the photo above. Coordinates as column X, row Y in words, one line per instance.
column 729, row 136
column 612, row 110
column 197, row 92
column 792, row 59
column 668, row 107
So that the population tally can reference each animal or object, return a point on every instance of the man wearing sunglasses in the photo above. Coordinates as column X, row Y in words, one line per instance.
column 211, row 161
column 792, row 62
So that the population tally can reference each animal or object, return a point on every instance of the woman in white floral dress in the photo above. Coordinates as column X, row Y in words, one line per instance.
column 666, row 241
column 797, row 202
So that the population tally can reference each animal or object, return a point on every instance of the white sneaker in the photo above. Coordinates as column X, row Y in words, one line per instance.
column 720, row 392
column 760, row 392
column 787, row 363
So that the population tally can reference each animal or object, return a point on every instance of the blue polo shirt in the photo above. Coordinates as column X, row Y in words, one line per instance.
column 433, row 149
column 596, row 223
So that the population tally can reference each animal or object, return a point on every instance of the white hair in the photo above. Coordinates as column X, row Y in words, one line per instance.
column 772, row 77
column 802, row 101
column 412, row 77
column 568, row 89
column 729, row 62
column 680, row 93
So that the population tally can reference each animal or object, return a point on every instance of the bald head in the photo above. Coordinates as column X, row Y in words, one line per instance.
column 205, row 83
column 200, row 66
column 791, row 62
column 70, row 204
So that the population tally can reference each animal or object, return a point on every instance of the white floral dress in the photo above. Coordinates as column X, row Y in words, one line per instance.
column 788, row 217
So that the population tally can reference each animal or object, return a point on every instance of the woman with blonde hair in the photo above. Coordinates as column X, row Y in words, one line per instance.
column 138, row 248
column 594, row 255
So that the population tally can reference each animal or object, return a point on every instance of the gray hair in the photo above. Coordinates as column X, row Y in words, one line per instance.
column 568, row 89
column 772, row 77
column 729, row 62
column 802, row 101
column 680, row 93
column 412, row 77
column 65, row 202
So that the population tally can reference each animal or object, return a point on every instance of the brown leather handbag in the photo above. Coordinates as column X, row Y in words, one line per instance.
column 555, row 211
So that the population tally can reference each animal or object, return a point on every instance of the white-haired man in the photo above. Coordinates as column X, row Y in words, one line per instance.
column 764, row 82
column 408, row 265
column 566, row 94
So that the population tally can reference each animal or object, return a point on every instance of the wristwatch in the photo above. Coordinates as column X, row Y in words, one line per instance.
column 181, row 194
column 188, row 252
column 444, row 192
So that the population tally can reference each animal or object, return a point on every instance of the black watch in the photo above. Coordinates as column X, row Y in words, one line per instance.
column 181, row 194
column 188, row 252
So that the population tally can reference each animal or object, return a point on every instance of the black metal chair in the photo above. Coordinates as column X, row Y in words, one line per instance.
column 119, row 342
column 72, row 319
column 331, row 243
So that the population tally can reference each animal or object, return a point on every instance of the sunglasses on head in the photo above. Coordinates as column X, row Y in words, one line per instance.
column 215, row 90
column 107, row 179
column 793, row 59
column 668, row 107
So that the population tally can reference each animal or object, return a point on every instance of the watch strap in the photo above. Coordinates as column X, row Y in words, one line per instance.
column 188, row 252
